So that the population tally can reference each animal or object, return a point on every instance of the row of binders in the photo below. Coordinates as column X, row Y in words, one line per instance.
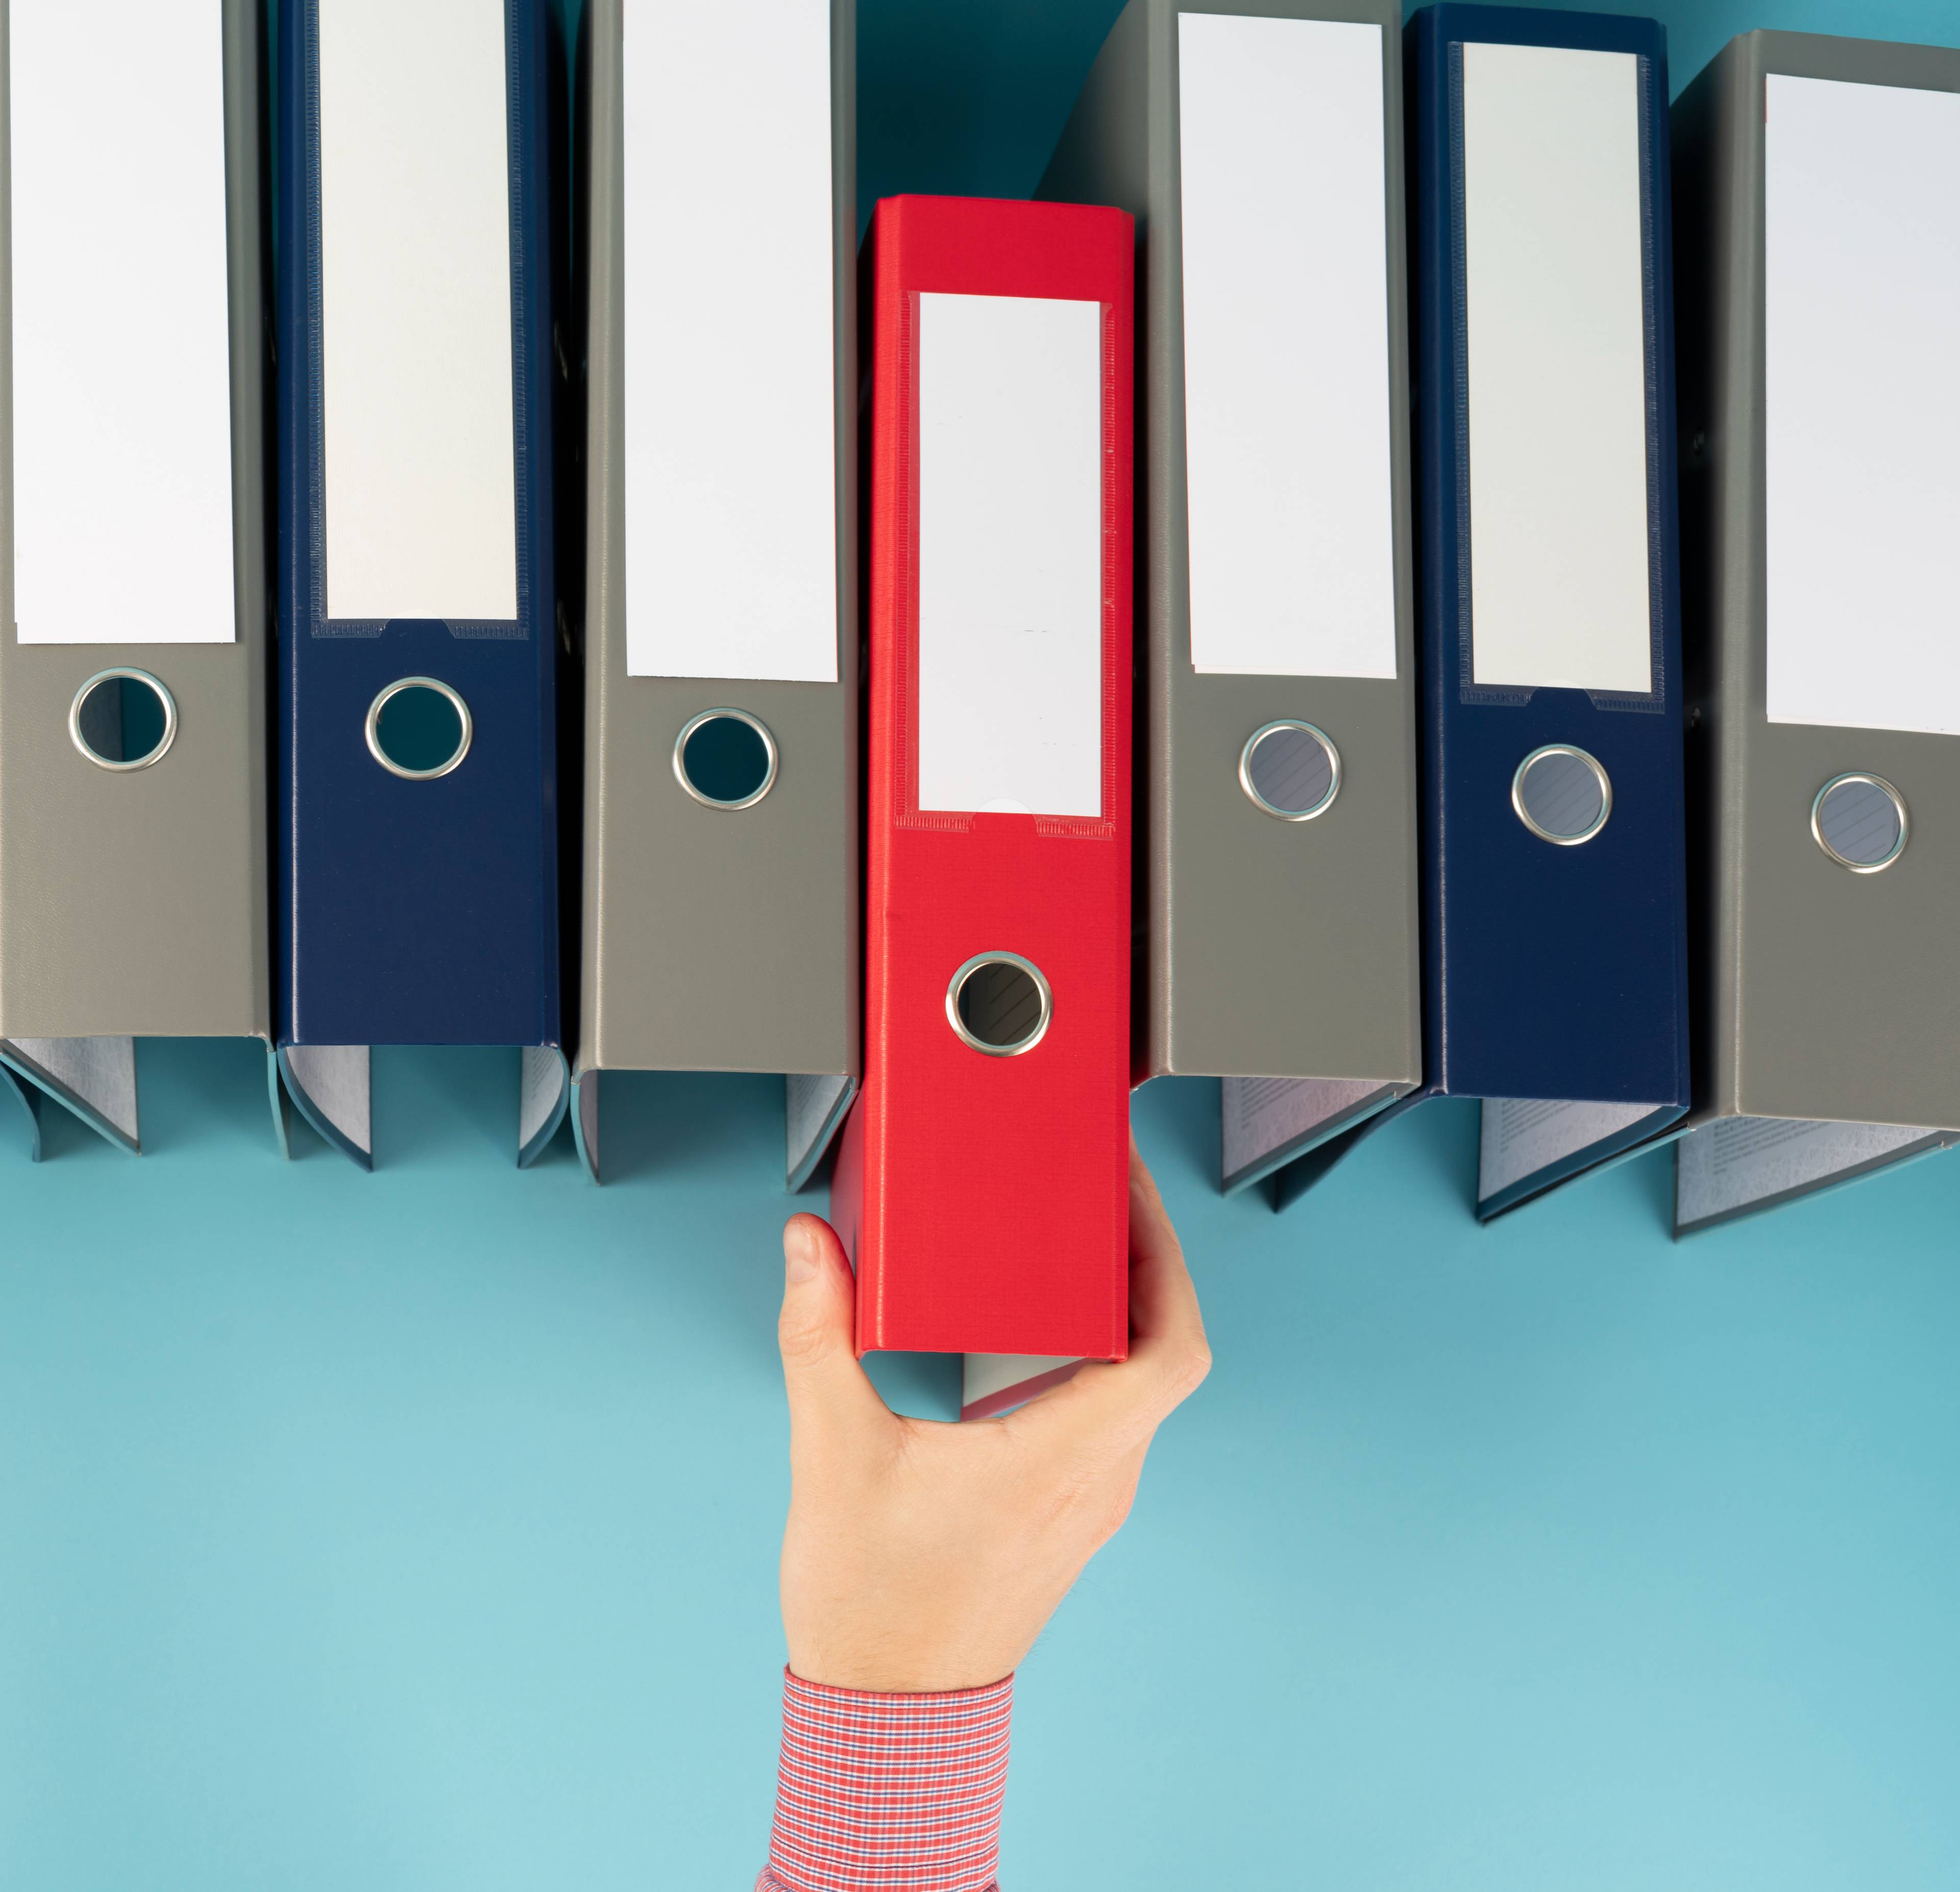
column 433, row 614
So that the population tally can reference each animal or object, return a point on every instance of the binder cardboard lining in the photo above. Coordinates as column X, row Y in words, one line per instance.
column 813, row 1107
column 1528, row 1143
column 1266, row 1122
column 1740, row 1165
column 95, row 1078
column 995, row 1383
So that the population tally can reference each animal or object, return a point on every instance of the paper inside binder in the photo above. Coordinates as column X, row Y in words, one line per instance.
column 813, row 1108
column 1739, row 1164
column 1528, row 1143
column 330, row 1084
column 1265, row 1122
column 993, row 1383
column 95, row 1078
column 544, row 1091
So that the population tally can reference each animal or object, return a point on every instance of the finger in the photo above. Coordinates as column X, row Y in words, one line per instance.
column 816, row 1328
column 1123, row 1403
column 1166, row 1330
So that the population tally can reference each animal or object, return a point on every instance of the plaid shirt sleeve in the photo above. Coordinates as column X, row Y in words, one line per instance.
column 888, row 1793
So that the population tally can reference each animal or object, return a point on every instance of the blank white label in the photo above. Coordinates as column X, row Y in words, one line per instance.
column 420, row 440
column 730, row 341
column 1862, row 298
column 1558, row 437
column 122, row 347
column 1010, row 555
column 1286, row 347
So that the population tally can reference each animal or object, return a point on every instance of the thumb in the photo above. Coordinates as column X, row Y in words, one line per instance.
column 817, row 1327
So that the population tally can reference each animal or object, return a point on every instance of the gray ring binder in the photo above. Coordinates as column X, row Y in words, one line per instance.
column 388, row 762
column 1563, row 794
column 1860, row 820
column 1006, row 1005
column 120, row 766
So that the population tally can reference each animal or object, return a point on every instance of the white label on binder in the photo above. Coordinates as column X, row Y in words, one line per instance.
column 1558, row 434
column 1861, row 296
column 415, row 188
column 1291, row 502
column 122, row 347
column 730, row 341
column 1010, row 555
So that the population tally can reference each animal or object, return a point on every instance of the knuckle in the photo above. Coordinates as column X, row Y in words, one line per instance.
column 1118, row 1514
column 1189, row 1367
column 803, row 1341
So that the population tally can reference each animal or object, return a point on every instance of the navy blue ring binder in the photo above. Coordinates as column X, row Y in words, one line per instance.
column 1550, row 972
column 417, row 911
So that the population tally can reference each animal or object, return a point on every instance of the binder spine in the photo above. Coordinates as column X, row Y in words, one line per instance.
column 418, row 911
column 1718, row 298
column 1037, row 1136
column 721, row 938
column 1115, row 149
column 1820, row 996
column 133, row 899
column 1229, row 902
column 1588, row 999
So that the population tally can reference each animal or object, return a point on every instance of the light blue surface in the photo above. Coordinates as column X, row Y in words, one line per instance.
column 418, row 1531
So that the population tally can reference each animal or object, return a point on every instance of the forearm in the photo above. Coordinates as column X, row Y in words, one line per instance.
column 901, row 1793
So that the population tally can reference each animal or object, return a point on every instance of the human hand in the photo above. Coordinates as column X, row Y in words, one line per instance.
column 921, row 1556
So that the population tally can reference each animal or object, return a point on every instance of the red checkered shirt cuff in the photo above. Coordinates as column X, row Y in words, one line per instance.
column 888, row 1793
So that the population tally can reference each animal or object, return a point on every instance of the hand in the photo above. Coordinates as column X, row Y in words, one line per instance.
column 921, row 1556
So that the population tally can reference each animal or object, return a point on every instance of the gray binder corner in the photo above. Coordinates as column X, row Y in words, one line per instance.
column 720, row 924
column 1278, row 895
column 1824, row 751
column 133, row 897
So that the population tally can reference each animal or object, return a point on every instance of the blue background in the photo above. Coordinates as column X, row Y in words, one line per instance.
column 418, row 1531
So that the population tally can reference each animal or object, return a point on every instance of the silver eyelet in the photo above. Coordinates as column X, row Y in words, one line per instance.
column 164, row 697
column 1313, row 764
column 394, row 690
column 1847, row 834
column 1540, row 811
column 1025, row 1041
column 761, row 728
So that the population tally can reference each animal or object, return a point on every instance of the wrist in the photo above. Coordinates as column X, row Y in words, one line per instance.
column 932, row 1669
